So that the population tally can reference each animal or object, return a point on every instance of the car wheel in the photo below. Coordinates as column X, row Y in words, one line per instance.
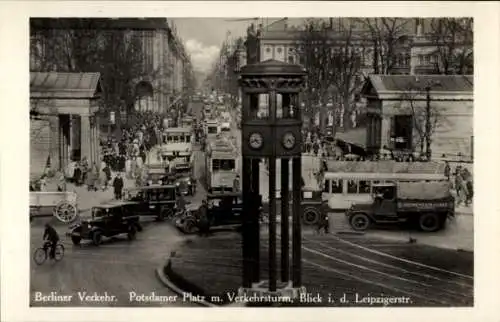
column 165, row 213
column 76, row 240
column 97, row 238
column 189, row 226
column 429, row 222
column 131, row 233
column 359, row 222
column 311, row 216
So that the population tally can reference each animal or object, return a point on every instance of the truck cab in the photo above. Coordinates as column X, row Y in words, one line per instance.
column 426, row 204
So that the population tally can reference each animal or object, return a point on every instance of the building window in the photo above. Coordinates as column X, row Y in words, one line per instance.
column 280, row 50
column 407, row 60
column 268, row 50
column 420, row 59
column 427, row 59
column 291, row 60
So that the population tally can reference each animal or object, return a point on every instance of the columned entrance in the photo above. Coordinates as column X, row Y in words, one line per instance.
column 67, row 103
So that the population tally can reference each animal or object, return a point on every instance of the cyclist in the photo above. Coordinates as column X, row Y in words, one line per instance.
column 50, row 234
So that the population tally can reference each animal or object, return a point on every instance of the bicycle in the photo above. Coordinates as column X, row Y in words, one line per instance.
column 42, row 253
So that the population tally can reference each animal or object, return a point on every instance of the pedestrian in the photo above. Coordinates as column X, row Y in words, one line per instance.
column 107, row 171
column 118, row 186
column 447, row 170
column 61, row 185
column 84, row 167
column 236, row 184
column 203, row 221
column 315, row 148
column 323, row 224
column 103, row 179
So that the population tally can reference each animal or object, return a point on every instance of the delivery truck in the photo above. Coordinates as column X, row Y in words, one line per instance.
column 424, row 204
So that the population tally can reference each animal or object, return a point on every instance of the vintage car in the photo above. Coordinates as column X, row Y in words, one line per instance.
column 224, row 210
column 156, row 200
column 156, row 175
column 107, row 220
column 183, row 174
column 312, row 206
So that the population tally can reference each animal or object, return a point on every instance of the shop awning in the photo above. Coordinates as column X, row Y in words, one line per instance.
column 355, row 137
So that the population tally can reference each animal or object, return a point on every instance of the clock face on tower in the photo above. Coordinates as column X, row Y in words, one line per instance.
column 288, row 140
column 256, row 140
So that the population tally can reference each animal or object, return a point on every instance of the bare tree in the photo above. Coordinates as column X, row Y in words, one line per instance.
column 426, row 117
column 453, row 40
column 333, row 62
column 386, row 35
column 346, row 72
column 314, row 47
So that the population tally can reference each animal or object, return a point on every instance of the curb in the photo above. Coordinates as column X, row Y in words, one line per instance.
column 160, row 274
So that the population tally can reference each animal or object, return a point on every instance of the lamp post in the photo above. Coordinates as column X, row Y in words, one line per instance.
column 428, row 127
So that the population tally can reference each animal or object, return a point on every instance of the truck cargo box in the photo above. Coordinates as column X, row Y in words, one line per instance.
column 426, row 191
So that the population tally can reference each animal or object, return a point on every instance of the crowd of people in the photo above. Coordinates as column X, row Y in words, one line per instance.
column 126, row 153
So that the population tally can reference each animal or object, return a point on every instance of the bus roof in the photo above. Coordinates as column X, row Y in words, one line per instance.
column 177, row 130
column 212, row 122
column 384, row 176
column 386, row 167
column 221, row 145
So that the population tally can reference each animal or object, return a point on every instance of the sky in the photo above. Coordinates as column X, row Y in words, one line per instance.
column 204, row 36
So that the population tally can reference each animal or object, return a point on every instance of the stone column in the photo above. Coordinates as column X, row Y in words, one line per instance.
column 54, row 141
column 385, row 135
column 85, row 136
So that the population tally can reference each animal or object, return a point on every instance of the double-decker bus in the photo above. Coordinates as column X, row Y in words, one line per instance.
column 221, row 165
column 177, row 144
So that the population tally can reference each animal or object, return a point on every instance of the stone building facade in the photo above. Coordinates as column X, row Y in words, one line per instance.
column 159, row 81
column 397, row 114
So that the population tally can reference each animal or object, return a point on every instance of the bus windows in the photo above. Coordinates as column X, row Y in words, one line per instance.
column 227, row 165
column 337, row 186
column 212, row 130
column 187, row 138
column 352, row 186
column 223, row 164
column 364, row 187
column 326, row 186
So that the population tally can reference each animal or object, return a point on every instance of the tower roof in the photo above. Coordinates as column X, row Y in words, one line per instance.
column 272, row 67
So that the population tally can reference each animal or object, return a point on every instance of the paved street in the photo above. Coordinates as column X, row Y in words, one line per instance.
column 117, row 267
column 349, row 265
column 120, row 267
